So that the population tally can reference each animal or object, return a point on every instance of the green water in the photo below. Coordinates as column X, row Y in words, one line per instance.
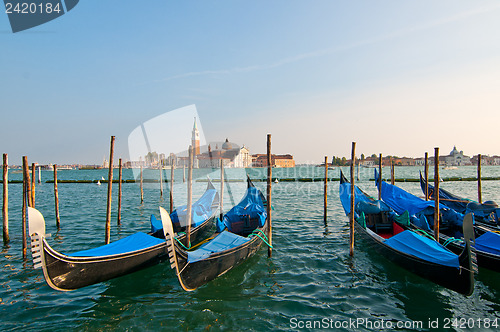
column 310, row 277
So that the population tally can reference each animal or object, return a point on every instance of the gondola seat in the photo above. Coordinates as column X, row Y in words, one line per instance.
column 224, row 241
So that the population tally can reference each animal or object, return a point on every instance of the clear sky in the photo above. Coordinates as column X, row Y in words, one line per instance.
column 397, row 77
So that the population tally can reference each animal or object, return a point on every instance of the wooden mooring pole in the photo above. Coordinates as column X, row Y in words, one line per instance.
column 436, row 194
column 120, row 179
column 28, row 183
column 351, row 220
column 5, row 209
column 357, row 171
column 142, row 190
column 33, row 175
column 172, row 186
column 221, row 206
column 479, row 194
column 161, row 179
column 269, row 191
column 110, row 190
column 426, row 174
column 56, row 197
column 189, row 196
column 379, row 177
column 325, row 192
column 392, row 172
column 26, row 200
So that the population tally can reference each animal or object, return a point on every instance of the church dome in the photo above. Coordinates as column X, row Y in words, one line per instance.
column 227, row 145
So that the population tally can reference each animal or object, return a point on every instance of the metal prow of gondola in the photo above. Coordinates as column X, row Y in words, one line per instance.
column 168, row 232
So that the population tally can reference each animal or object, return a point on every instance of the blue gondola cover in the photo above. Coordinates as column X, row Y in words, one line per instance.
column 423, row 248
column 489, row 242
column 251, row 207
column 345, row 196
column 201, row 211
column 156, row 224
column 134, row 242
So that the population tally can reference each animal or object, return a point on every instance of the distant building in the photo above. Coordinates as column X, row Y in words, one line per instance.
column 369, row 162
column 231, row 155
column 419, row 161
column 485, row 160
column 243, row 159
column 152, row 159
column 456, row 158
column 285, row 160
column 171, row 160
column 162, row 158
column 404, row 162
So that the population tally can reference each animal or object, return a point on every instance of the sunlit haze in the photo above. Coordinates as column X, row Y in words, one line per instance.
column 397, row 77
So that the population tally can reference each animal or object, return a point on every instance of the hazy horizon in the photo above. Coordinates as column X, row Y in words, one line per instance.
column 399, row 78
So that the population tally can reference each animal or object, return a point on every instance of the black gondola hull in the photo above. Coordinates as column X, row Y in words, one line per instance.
column 196, row 274
column 68, row 273
column 484, row 259
column 457, row 279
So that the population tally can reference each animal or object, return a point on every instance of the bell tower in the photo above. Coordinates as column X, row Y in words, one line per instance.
column 195, row 139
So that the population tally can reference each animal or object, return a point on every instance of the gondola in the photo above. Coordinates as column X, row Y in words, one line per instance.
column 486, row 244
column 380, row 227
column 487, row 213
column 202, row 218
column 239, row 235
column 132, row 253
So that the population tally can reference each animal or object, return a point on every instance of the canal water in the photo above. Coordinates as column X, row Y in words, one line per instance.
column 310, row 281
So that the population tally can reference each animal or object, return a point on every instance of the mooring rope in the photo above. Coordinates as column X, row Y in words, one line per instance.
column 450, row 240
column 260, row 237
column 176, row 239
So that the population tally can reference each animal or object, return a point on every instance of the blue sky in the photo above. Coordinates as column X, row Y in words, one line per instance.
column 397, row 77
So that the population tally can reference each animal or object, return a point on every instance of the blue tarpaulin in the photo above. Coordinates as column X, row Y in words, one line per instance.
column 406, row 241
column 374, row 207
column 156, row 224
column 489, row 242
column 250, row 207
column 452, row 201
column 422, row 247
column 224, row 241
column 130, row 243
column 345, row 196
column 201, row 211
column 487, row 210
column 401, row 200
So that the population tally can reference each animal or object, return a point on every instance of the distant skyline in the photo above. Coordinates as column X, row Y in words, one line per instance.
column 399, row 78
